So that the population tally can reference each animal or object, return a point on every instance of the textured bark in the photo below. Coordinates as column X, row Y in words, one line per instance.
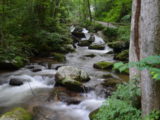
column 150, row 39
column 134, row 52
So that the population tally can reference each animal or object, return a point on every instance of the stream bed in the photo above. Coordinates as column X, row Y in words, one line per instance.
column 36, row 93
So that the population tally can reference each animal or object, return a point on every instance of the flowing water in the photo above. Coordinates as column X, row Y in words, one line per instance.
column 37, row 85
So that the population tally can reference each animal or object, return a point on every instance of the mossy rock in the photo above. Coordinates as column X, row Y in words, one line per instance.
column 123, row 56
column 108, row 75
column 17, row 114
column 72, row 78
column 111, row 82
column 103, row 65
column 96, row 46
column 13, row 64
column 90, row 55
column 119, row 46
column 59, row 57
column 84, row 43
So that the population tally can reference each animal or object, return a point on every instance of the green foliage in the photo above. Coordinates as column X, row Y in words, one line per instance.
column 149, row 63
column 121, row 105
column 111, row 32
column 113, row 10
column 154, row 115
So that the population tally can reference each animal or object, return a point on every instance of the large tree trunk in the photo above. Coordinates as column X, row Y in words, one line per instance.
column 145, row 41
column 150, row 45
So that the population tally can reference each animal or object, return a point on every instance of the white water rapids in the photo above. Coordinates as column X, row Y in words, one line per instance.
column 35, row 83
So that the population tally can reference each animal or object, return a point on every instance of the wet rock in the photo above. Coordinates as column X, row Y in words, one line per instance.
column 44, row 113
column 123, row 56
column 73, row 73
column 65, row 95
column 90, row 55
column 15, row 82
column 97, row 46
column 7, row 66
column 72, row 78
column 118, row 46
column 78, row 32
column 36, row 69
column 84, row 42
column 108, row 75
column 103, row 65
column 111, row 82
column 92, row 38
column 16, row 114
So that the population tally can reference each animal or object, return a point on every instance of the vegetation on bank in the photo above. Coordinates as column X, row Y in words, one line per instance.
column 113, row 10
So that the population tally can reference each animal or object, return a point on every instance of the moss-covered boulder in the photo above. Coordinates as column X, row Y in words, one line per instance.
column 59, row 57
column 13, row 63
column 119, row 46
column 103, row 65
column 72, row 78
column 123, row 56
column 111, row 82
column 97, row 46
column 84, row 43
column 16, row 114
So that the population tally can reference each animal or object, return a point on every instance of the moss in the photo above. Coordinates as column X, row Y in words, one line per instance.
column 118, row 46
column 17, row 114
column 123, row 56
column 59, row 57
column 97, row 46
column 103, row 65
column 111, row 82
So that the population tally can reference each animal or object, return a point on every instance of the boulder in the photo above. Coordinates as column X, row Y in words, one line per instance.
column 97, row 46
column 64, row 95
column 103, row 65
column 111, row 82
column 72, row 78
column 78, row 32
column 16, row 114
column 123, row 56
column 84, row 42
column 90, row 55
column 118, row 46
column 15, row 82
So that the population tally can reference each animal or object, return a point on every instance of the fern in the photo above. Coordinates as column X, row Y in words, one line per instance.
column 150, row 63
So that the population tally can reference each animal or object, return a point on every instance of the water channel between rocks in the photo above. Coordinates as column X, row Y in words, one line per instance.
column 39, row 85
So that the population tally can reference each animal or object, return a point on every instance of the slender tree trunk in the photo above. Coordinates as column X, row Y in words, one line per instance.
column 150, row 45
column 89, row 10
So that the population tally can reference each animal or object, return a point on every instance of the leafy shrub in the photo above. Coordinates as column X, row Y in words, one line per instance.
column 111, row 32
column 150, row 63
column 120, row 106
column 113, row 10
column 98, row 27
column 154, row 115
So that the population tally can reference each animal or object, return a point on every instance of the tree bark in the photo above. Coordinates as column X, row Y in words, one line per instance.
column 134, row 51
column 144, row 42
column 150, row 45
